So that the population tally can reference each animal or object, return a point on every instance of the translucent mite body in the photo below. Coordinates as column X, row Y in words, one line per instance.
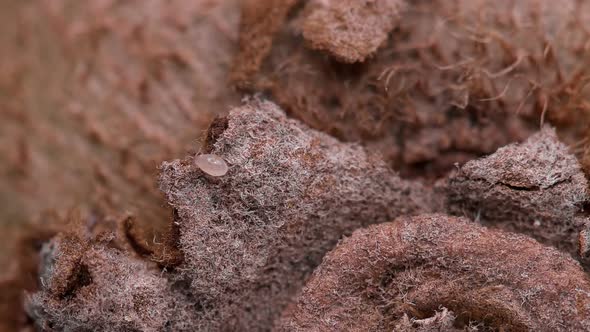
column 211, row 164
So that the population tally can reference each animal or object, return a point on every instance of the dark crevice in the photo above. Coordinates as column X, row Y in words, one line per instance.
column 80, row 277
column 173, row 255
column 134, row 240
column 520, row 188
column 217, row 127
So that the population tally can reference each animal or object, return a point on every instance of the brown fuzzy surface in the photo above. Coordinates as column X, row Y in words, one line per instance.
column 88, row 285
column 20, row 274
column 95, row 94
column 260, row 21
column 250, row 238
column 413, row 267
column 537, row 188
column 350, row 30
column 242, row 245
column 91, row 274
column 455, row 80
column 246, row 241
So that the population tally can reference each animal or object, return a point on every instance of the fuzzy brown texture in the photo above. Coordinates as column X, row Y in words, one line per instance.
column 259, row 23
column 416, row 266
column 456, row 80
column 350, row 30
column 251, row 237
column 90, row 286
column 75, row 228
column 92, row 275
column 584, row 241
column 537, row 188
column 20, row 275
column 241, row 245
column 95, row 94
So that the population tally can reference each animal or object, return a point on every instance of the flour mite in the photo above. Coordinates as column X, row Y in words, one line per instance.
column 211, row 164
